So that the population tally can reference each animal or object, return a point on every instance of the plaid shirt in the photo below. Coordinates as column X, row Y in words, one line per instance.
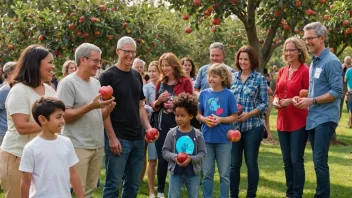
column 251, row 94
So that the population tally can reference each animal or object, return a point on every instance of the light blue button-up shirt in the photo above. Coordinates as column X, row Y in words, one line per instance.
column 325, row 76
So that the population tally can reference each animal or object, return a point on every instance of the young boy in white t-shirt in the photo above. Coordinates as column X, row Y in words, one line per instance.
column 48, row 160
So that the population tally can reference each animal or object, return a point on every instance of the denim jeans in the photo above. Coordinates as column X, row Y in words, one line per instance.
column 292, row 145
column 320, row 138
column 249, row 145
column 221, row 153
column 191, row 182
column 127, row 167
column 162, row 163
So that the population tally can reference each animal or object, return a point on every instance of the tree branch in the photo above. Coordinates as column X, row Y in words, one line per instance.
column 342, row 49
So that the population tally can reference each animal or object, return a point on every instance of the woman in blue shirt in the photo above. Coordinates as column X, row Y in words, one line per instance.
column 250, row 90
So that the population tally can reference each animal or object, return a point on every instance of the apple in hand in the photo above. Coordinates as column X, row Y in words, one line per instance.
column 234, row 135
column 106, row 92
column 182, row 157
column 151, row 134
column 239, row 107
column 303, row 93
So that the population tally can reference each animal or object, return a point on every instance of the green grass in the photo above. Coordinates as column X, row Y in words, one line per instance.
column 272, row 177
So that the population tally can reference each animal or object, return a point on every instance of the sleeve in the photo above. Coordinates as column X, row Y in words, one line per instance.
column 334, row 76
column 305, row 78
column 66, row 93
column 167, row 153
column 199, row 78
column 18, row 102
column 104, row 79
column 276, row 94
column 27, row 160
column 200, row 100
column 262, row 96
column 3, row 95
column 188, row 86
column 201, row 152
column 348, row 73
column 232, row 104
column 72, row 156
column 145, row 91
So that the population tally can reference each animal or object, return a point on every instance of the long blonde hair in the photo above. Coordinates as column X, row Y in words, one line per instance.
column 173, row 61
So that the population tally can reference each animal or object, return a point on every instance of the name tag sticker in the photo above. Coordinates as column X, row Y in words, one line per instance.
column 317, row 72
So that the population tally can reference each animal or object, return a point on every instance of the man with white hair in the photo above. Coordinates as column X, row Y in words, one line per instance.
column 139, row 65
column 9, row 67
column 84, row 115
column 124, row 138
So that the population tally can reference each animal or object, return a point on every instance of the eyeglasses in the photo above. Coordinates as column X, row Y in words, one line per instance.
column 309, row 39
column 289, row 50
column 129, row 52
column 96, row 61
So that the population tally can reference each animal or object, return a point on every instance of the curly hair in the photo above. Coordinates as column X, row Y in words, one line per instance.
column 187, row 101
column 221, row 70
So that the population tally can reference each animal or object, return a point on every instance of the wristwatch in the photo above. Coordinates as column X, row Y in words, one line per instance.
column 314, row 101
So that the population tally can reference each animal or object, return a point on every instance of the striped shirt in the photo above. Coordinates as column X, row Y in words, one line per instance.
column 251, row 94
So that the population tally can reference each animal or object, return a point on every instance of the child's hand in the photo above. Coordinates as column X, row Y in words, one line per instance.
column 210, row 121
column 216, row 120
column 185, row 163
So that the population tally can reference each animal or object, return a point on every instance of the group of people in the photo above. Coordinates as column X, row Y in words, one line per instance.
column 192, row 113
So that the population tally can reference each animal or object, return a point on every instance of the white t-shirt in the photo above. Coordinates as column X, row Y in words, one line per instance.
column 20, row 101
column 49, row 161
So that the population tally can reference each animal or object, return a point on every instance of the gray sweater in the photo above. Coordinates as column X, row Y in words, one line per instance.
column 169, row 151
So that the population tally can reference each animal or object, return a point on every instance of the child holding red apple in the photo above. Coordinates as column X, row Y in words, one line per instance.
column 217, row 109
column 184, row 148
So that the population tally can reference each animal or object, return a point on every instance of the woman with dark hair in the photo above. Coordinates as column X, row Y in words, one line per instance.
column 189, row 68
column 34, row 68
column 173, row 81
column 251, row 91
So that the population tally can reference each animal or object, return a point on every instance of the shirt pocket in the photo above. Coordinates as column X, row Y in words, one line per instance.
column 250, row 91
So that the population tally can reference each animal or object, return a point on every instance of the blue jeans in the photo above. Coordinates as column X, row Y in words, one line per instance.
column 249, row 145
column 320, row 138
column 292, row 146
column 221, row 153
column 127, row 167
column 191, row 182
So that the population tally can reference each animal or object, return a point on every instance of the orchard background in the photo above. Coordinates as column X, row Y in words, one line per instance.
column 184, row 27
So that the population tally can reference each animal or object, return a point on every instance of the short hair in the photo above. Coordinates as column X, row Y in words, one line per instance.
column 319, row 28
column 187, row 101
column 124, row 41
column 45, row 106
column 156, row 64
column 66, row 66
column 253, row 57
column 8, row 67
column 173, row 61
column 221, row 70
column 218, row 45
column 138, row 60
column 344, row 60
column 193, row 73
column 84, row 50
column 28, row 66
column 300, row 45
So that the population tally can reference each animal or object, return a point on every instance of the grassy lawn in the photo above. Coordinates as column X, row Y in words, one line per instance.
column 272, row 177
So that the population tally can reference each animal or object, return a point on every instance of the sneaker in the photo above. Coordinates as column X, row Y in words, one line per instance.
column 161, row 195
column 151, row 196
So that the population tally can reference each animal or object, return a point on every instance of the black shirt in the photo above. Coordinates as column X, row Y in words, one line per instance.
column 128, row 91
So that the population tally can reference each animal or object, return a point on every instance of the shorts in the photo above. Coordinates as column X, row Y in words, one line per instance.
column 152, row 154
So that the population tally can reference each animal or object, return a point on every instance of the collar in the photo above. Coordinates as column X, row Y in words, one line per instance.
column 321, row 55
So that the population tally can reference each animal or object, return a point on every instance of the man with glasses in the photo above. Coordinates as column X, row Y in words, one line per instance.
column 325, row 92
column 84, row 115
column 124, row 138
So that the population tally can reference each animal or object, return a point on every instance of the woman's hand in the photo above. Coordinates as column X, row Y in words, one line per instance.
column 285, row 102
column 243, row 117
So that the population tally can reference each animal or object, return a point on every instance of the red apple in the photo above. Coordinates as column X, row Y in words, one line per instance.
column 97, row 32
column 188, row 30
column 125, row 24
column 345, row 23
column 196, row 2
column 40, row 37
column 235, row 2
column 277, row 13
column 93, row 19
column 185, row 17
column 79, row 33
column 298, row 3
column 326, row 17
column 72, row 26
column 303, row 93
column 110, row 37
column 207, row 12
column 216, row 21
column 151, row 134
column 239, row 108
column 322, row 1
column 10, row 47
column 102, row 7
column 106, row 92
column 182, row 157
column 81, row 19
column 234, row 135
